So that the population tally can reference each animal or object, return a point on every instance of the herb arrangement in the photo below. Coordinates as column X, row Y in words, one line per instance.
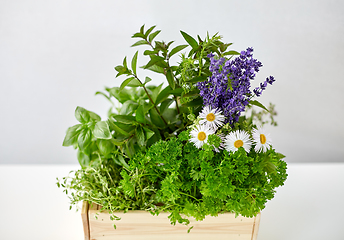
column 196, row 147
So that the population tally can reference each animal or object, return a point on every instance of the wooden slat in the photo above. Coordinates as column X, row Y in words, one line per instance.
column 141, row 225
column 85, row 222
column 256, row 227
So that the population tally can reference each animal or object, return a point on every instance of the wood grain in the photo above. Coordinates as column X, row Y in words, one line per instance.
column 84, row 217
column 141, row 225
column 256, row 227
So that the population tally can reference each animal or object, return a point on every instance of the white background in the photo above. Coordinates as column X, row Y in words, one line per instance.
column 54, row 55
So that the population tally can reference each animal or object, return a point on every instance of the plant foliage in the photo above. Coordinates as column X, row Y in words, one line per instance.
column 141, row 157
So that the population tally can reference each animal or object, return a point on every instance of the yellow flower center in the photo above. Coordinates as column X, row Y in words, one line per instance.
column 238, row 143
column 262, row 139
column 202, row 136
column 210, row 117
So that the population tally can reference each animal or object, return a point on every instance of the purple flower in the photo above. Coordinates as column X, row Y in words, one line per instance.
column 258, row 91
column 270, row 80
column 228, row 88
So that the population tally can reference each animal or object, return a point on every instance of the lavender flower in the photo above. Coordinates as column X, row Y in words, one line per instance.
column 258, row 90
column 228, row 89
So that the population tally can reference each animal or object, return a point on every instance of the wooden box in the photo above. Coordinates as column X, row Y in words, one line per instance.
column 141, row 225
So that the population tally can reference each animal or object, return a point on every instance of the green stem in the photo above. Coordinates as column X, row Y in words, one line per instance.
column 151, row 100
column 175, row 97
column 189, row 196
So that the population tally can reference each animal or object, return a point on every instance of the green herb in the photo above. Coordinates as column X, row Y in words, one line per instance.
column 141, row 157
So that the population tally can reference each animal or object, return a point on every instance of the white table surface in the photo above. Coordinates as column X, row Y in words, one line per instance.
column 308, row 206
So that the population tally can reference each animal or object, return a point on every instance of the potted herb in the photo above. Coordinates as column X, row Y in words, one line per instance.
column 195, row 147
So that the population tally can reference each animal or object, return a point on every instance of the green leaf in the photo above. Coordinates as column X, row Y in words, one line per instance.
column 84, row 159
column 135, row 83
column 162, row 64
column 192, row 42
column 94, row 116
column 129, row 128
column 165, row 104
column 270, row 168
column 223, row 47
column 138, row 35
column 140, row 42
column 155, row 118
column 105, row 147
column 231, row 53
column 104, row 95
column 128, row 108
column 258, row 104
column 170, row 115
column 169, row 44
column 149, row 31
column 132, row 82
column 82, row 115
column 154, row 60
column 72, row 135
column 134, row 62
column 119, row 130
column 150, row 52
column 140, row 135
column 125, row 63
column 192, row 93
column 155, row 68
column 280, row 155
column 197, row 79
column 117, row 142
column 154, row 137
column 177, row 91
column 190, row 229
column 170, row 79
column 101, row 130
column 121, row 95
column 147, row 80
column 177, row 49
column 153, row 35
column 129, row 148
column 122, row 70
column 139, row 114
column 124, row 119
column 163, row 95
column 149, row 133
column 155, row 92
column 194, row 103
column 123, row 162
column 142, row 29
column 84, row 139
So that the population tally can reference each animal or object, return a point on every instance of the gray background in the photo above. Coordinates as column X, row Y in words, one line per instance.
column 54, row 55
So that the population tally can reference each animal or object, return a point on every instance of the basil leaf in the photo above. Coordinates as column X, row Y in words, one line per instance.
column 72, row 135
column 101, row 130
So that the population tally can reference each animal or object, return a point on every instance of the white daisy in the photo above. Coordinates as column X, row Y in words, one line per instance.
column 262, row 139
column 212, row 118
column 238, row 139
column 199, row 135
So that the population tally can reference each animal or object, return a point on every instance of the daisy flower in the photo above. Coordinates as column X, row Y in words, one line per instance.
column 238, row 139
column 199, row 135
column 212, row 118
column 262, row 139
